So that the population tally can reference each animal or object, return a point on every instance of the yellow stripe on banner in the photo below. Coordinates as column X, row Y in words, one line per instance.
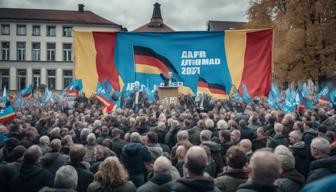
column 185, row 90
column 213, row 95
column 85, row 61
column 235, row 45
column 121, row 83
column 8, row 115
column 143, row 68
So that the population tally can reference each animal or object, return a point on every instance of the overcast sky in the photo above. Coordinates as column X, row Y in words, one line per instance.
column 178, row 14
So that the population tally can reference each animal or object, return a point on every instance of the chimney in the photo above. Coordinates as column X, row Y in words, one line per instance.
column 156, row 17
column 80, row 7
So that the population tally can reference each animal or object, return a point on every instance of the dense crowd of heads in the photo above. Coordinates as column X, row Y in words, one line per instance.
column 208, row 146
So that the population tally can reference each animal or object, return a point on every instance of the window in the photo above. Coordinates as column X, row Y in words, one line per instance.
column 36, row 78
column 51, row 79
column 21, row 79
column 20, row 51
column 21, row 30
column 67, row 52
column 67, row 77
column 51, row 31
column 4, row 78
column 67, row 31
column 5, row 50
column 5, row 29
column 51, row 51
column 36, row 30
column 36, row 51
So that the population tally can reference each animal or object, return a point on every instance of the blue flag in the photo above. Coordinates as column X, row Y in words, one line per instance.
column 27, row 92
column 289, row 105
column 246, row 97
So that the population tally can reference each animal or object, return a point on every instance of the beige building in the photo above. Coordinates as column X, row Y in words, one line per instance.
column 36, row 45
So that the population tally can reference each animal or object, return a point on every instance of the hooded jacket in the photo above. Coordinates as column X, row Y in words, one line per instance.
column 52, row 161
column 134, row 156
column 32, row 177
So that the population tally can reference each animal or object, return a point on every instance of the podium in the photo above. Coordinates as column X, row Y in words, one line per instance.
column 168, row 96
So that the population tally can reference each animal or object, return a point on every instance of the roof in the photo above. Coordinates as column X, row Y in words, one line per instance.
column 48, row 15
column 151, row 27
column 225, row 25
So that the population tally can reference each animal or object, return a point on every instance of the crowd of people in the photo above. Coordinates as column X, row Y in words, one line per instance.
column 205, row 146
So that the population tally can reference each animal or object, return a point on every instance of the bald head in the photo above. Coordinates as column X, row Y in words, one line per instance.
column 162, row 165
column 265, row 167
column 196, row 161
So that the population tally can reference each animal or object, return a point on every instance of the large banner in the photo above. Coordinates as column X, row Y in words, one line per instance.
column 206, row 62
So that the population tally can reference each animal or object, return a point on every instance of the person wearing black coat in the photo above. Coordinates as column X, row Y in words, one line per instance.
column 54, row 159
column 85, row 177
column 300, row 152
column 245, row 132
column 117, row 142
column 134, row 157
column 31, row 176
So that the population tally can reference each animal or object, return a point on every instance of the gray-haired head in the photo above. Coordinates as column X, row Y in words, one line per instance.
column 44, row 140
column 91, row 139
column 135, row 137
column 222, row 124
column 182, row 135
column 285, row 157
column 209, row 123
column 265, row 167
column 162, row 166
column 320, row 147
column 66, row 178
column 205, row 135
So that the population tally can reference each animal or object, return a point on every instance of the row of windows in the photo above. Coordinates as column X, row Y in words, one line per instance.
column 21, row 78
column 36, row 51
column 21, row 30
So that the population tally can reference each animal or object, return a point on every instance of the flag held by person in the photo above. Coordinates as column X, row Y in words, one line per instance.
column 7, row 111
column 27, row 92
column 103, row 96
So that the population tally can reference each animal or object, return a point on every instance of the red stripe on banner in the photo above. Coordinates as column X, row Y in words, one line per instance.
column 105, row 43
column 257, row 72
column 8, row 118
column 217, row 91
column 27, row 96
column 151, row 61
column 202, row 84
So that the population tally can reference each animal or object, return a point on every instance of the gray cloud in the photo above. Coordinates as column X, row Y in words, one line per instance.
column 179, row 14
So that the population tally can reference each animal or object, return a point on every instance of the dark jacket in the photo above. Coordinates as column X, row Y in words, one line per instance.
column 259, row 143
column 159, row 183
column 125, row 187
column 195, row 185
column 277, row 139
column 254, row 187
column 230, row 180
column 51, row 189
column 117, row 145
column 52, row 161
column 8, row 172
column 308, row 136
column 247, row 133
column 321, row 168
column 302, row 157
column 95, row 166
column 32, row 177
column 134, row 156
column 85, row 177
column 290, row 181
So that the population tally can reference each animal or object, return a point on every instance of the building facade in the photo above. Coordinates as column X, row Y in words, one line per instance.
column 36, row 45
